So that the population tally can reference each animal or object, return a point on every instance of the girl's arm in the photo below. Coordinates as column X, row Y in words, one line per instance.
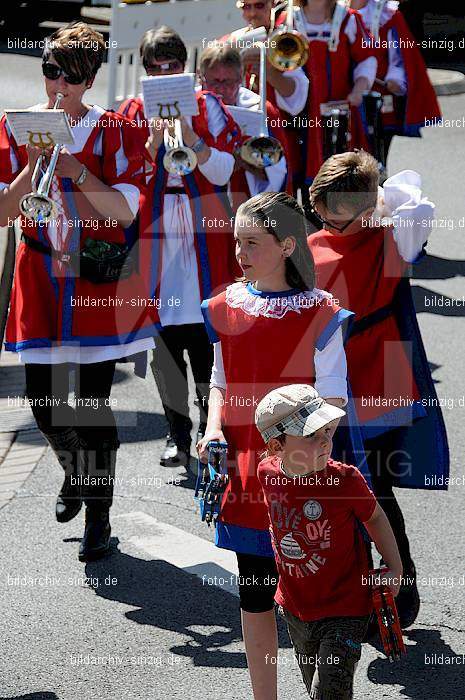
column 331, row 371
column 381, row 533
column 214, row 429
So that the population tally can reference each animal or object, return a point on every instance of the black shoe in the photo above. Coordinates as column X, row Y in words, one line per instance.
column 408, row 599
column 69, row 501
column 95, row 543
column 174, row 456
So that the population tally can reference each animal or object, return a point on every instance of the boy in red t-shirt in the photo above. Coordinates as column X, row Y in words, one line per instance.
column 315, row 506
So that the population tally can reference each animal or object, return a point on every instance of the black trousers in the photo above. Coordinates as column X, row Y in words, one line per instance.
column 170, row 371
column 85, row 434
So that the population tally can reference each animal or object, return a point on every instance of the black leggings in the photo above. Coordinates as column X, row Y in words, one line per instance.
column 47, row 388
column 258, row 580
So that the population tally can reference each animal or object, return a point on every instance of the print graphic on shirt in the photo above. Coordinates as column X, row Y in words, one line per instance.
column 306, row 538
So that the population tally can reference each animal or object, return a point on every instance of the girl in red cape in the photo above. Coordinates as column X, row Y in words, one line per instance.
column 276, row 299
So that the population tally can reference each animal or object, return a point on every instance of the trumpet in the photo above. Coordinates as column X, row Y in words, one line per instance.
column 37, row 205
column 262, row 150
column 178, row 159
column 290, row 50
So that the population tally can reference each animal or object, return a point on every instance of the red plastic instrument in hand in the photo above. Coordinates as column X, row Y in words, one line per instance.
column 386, row 612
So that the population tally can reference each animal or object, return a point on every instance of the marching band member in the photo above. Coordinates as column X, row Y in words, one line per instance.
column 339, row 66
column 59, row 319
column 287, row 91
column 221, row 72
column 409, row 101
column 189, row 220
column 368, row 238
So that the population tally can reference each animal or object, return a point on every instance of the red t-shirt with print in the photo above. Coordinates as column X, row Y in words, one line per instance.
column 318, row 545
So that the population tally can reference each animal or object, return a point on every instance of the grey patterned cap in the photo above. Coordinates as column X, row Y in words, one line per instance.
column 296, row 409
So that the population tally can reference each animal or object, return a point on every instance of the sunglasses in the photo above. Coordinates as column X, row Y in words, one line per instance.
column 157, row 68
column 229, row 83
column 247, row 6
column 320, row 221
column 53, row 72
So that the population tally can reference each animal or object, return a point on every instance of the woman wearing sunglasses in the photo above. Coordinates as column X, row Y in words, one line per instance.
column 72, row 304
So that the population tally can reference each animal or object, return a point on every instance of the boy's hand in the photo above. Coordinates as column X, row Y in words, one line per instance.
column 392, row 579
column 202, row 445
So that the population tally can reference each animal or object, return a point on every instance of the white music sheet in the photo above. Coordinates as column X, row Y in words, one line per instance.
column 248, row 120
column 169, row 96
column 42, row 128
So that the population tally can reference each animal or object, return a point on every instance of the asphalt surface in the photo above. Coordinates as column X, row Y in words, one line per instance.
column 152, row 631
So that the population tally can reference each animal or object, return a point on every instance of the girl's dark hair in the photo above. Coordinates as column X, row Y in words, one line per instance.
column 162, row 43
column 281, row 216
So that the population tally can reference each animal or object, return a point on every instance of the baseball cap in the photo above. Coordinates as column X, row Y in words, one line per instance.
column 296, row 409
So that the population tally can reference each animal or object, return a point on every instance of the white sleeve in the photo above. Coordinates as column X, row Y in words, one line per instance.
column 296, row 102
column 275, row 182
column 331, row 368
column 411, row 213
column 396, row 70
column 131, row 194
column 218, row 377
column 366, row 69
column 218, row 168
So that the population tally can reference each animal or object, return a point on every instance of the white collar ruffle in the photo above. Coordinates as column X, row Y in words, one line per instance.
column 253, row 303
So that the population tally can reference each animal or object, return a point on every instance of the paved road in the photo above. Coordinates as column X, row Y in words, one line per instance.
column 144, row 625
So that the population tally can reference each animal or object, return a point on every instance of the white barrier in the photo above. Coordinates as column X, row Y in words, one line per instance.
column 195, row 21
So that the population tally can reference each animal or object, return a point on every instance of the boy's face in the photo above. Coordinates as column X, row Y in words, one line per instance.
column 308, row 453
column 344, row 221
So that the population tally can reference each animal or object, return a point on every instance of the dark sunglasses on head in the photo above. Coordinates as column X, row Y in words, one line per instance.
column 53, row 72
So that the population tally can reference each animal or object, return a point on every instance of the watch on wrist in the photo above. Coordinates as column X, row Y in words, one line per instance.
column 82, row 176
column 198, row 146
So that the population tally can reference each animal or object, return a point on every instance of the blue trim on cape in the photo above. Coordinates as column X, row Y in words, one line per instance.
column 87, row 341
column 399, row 417
column 208, row 324
column 47, row 260
column 426, row 440
column 70, row 278
column 200, row 235
column 336, row 321
column 246, row 540
column 159, row 183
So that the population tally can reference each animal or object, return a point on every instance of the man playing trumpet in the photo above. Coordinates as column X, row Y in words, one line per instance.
column 221, row 71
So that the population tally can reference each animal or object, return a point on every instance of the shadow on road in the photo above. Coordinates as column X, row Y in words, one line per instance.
column 427, row 301
column 33, row 696
column 170, row 599
column 419, row 673
column 434, row 268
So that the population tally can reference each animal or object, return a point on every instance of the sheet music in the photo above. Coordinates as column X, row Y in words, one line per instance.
column 169, row 96
column 248, row 120
column 42, row 128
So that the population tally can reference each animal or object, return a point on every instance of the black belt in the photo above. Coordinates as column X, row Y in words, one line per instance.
column 175, row 190
column 45, row 249
column 366, row 322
